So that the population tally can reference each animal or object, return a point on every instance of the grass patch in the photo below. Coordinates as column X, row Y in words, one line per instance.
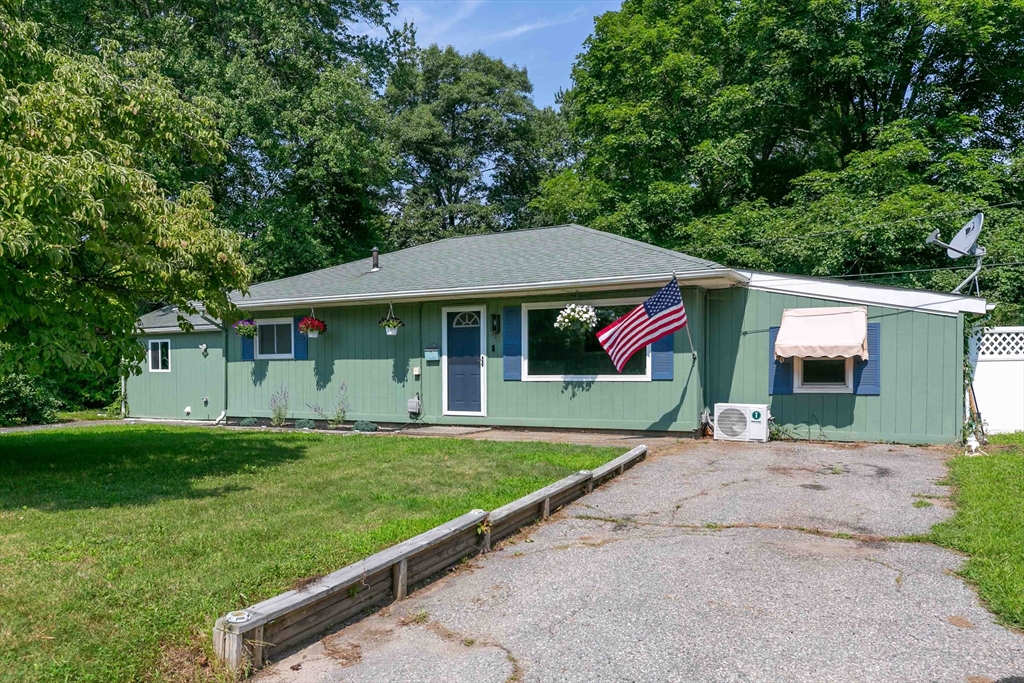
column 989, row 526
column 123, row 544
column 87, row 415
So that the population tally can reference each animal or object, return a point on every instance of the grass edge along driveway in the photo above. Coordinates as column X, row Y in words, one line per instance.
column 989, row 525
column 122, row 544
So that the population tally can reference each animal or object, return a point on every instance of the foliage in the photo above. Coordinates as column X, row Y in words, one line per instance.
column 364, row 426
column 989, row 525
column 579, row 318
column 293, row 92
column 27, row 400
column 305, row 424
column 86, row 234
column 736, row 130
column 246, row 328
column 279, row 407
column 337, row 415
column 161, row 519
column 249, row 422
column 390, row 322
column 473, row 147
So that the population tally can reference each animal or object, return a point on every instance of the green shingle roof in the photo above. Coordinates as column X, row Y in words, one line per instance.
column 555, row 257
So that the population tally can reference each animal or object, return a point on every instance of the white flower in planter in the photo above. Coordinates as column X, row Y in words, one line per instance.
column 576, row 318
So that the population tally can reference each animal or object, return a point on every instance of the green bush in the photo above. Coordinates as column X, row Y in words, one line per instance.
column 305, row 424
column 27, row 400
column 249, row 422
column 364, row 426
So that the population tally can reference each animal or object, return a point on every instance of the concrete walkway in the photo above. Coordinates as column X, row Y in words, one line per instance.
column 697, row 566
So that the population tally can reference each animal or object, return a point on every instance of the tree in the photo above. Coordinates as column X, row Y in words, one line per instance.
column 472, row 145
column 701, row 113
column 86, row 235
column 303, row 194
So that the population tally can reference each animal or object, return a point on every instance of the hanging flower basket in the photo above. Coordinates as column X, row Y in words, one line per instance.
column 576, row 319
column 390, row 323
column 246, row 328
column 312, row 327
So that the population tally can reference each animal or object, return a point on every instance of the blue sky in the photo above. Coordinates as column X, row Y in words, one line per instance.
column 543, row 35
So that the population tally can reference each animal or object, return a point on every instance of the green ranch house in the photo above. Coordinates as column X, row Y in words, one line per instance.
column 478, row 346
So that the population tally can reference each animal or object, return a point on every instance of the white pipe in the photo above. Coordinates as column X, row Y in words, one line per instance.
column 220, row 417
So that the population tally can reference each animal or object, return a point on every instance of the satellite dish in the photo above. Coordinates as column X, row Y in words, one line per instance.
column 963, row 243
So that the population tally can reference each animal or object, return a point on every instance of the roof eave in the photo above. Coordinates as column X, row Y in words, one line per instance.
column 711, row 279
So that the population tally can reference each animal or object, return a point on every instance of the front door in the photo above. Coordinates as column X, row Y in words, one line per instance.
column 464, row 361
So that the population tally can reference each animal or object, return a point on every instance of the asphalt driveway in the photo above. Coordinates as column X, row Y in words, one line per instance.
column 716, row 562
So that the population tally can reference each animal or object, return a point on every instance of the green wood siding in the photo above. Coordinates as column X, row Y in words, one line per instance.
column 378, row 371
column 193, row 376
column 920, row 401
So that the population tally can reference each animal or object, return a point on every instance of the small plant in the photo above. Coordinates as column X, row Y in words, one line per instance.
column 390, row 323
column 576, row 318
column 246, row 328
column 336, row 418
column 249, row 422
column 305, row 424
column 312, row 327
column 836, row 469
column 364, row 426
column 922, row 504
column 279, row 407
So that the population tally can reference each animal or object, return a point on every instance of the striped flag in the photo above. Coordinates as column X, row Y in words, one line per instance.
column 658, row 317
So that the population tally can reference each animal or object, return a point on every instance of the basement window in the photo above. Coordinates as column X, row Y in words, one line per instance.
column 159, row 355
column 274, row 339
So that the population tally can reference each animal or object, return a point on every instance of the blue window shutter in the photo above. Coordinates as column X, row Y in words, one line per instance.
column 300, row 342
column 662, row 357
column 512, row 343
column 248, row 348
column 867, row 374
column 780, row 375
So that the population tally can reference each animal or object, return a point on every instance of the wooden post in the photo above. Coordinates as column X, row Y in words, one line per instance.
column 485, row 545
column 228, row 645
column 545, row 510
column 400, row 578
column 590, row 482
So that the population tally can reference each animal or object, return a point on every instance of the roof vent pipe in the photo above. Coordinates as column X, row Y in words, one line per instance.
column 376, row 261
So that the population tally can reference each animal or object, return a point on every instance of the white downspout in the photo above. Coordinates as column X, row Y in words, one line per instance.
column 220, row 418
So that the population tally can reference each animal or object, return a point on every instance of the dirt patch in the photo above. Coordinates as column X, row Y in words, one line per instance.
column 303, row 584
column 187, row 664
column 960, row 621
column 788, row 471
column 814, row 487
column 823, row 547
column 346, row 654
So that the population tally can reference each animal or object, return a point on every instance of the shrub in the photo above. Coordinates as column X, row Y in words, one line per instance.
column 279, row 407
column 249, row 422
column 364, row 426
column 305, row 424
column 26, row 399
column 337, row 415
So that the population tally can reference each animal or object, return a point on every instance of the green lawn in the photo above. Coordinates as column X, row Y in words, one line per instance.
column 121, row 545
column 989, row 524
column 86, row 415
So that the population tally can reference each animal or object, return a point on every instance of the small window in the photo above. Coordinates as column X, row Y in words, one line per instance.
column 159, row 355
column 466, row 319
column 274, row 339
column 823, row 375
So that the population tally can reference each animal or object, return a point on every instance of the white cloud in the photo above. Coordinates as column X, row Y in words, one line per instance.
column 533, row 26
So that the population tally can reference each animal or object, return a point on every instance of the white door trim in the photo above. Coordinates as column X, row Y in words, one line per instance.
column 482, row 310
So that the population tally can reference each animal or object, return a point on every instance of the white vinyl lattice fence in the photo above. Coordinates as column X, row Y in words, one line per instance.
column 999, row 378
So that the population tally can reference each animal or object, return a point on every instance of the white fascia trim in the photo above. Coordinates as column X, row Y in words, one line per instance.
column 178, row 330
column 892, row 297
column 718, row 278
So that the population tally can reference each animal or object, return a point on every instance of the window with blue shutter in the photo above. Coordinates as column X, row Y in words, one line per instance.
column 512, row 343
column 780, row 375
column 300, row 341
column 867, row 374
column 662, row 358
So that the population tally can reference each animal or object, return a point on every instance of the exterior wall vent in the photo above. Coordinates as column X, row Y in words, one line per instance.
column 375, row 253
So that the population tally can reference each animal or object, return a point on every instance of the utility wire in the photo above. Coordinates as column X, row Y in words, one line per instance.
column 808, row 235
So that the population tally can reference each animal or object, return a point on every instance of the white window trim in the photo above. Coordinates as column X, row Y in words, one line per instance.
column 482, row 310
column 149, row 354
column 800, row 388
column 527, row 377
column 274, row 356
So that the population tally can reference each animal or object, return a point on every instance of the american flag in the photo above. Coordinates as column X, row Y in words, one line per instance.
column 658, row 317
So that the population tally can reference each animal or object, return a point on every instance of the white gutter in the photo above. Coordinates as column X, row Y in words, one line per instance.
column 719, row 278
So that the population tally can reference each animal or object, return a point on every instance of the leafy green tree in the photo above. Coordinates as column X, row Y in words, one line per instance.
column 293, row 92
column 86, row 235
column 768, row 118
column 473, row 147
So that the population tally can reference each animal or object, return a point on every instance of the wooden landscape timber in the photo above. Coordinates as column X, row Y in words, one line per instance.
column 244, row 640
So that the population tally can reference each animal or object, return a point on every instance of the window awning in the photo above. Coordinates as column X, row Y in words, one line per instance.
column 823, row 333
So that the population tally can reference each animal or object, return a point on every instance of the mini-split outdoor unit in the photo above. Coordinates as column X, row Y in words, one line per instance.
column 741, row 421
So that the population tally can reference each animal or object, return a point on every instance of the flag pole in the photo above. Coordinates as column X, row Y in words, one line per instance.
column 689, row 336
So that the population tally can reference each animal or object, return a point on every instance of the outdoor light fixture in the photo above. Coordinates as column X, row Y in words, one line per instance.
column 495, row 323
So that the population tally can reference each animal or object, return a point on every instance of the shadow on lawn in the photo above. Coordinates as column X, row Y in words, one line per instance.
column 125, row 466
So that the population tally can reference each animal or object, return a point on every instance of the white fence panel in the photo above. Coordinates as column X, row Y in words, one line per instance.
column 999, row 378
